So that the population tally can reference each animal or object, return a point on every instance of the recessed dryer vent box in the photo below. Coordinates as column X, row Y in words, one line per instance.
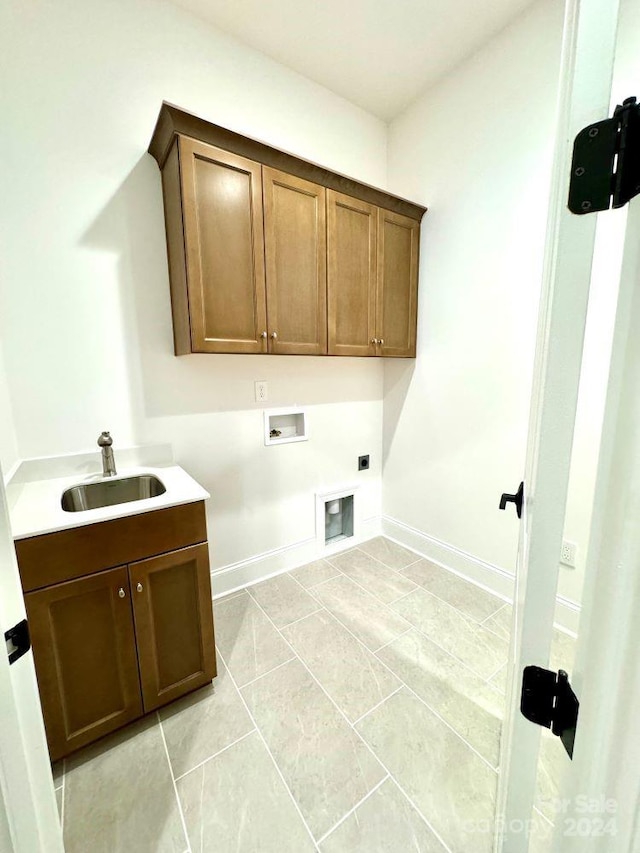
column 282, row 426
column 337, row 520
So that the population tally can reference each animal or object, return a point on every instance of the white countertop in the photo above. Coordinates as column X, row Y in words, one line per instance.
column 35, row 507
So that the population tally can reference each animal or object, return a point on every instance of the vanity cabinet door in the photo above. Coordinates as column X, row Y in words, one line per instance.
column 397, row 301
column 295, row 263
column 85, row 657
column 173, row 614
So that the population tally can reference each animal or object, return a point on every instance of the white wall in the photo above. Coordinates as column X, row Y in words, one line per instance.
column 86, row 316
column 477, row 149
column 455, row 425
column 8, row 440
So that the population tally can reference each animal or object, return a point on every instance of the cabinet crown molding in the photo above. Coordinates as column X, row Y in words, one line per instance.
column 172, row 121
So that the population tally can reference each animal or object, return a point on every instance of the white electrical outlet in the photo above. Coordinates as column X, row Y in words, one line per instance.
column 262, row 391
column 568, row 553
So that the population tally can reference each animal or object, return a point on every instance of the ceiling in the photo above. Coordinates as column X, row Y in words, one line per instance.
column 379, row 54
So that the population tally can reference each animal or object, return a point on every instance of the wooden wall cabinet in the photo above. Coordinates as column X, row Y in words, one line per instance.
column 295, row 260
column 372, row 284
column 110, row 646
column 215, row 244
column 397, row 290
column 269, row 253
column 352, row 281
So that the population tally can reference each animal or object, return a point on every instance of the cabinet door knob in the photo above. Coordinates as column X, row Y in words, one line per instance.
column 139, row 587
column 381, row 342
column 274, row 336
column 121, row 592
column 263, row 334
column 374, row 341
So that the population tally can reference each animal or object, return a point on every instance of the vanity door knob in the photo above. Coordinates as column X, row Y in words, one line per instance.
column 274, row 336
column 263, row 334
column 139, row 587
column 381, row 342
column 121, row 592
column 374, row 341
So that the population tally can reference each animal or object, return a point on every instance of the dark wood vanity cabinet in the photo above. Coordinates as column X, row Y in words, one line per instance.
column 269, row 253
column 111, row 645
column 85, row 655
column 171, row 596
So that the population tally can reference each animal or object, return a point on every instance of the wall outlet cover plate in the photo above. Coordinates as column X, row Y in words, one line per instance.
column 262, row 391
column 568, row 553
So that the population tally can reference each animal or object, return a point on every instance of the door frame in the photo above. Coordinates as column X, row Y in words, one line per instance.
column 606, row 676
column 26, row 784
column 588, row 50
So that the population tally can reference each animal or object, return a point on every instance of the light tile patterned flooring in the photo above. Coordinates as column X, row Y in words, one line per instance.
column 357, row 709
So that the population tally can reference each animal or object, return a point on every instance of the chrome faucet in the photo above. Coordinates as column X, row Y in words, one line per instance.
column 108, row 462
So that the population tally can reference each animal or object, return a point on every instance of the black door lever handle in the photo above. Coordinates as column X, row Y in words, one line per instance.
column 516, row 499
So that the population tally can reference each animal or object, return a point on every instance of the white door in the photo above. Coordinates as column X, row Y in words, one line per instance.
column 600, row 799
column 29, row 820
column 585, row 90
column 597, row 801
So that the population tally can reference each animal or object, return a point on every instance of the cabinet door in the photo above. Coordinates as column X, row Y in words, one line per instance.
column 85, row 658
column 174, row 624
column 397, row 303
column 351, row 275
column 223, row 232
column 296, row 264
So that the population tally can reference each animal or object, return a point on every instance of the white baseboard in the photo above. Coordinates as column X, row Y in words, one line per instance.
column 567, row 615
column 8, row 475
column 492, row 578
column 255, row 569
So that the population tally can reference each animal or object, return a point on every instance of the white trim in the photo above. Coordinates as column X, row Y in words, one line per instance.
column 27, row 794
column 491, row 578
column 567, row 615
column 605, row 676
column 270, row 563
column 12, row 472
column 586, row 65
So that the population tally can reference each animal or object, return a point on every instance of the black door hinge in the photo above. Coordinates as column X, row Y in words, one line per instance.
column 516, row 499
column 605, row 169
column 548, row 700
column 18, row 641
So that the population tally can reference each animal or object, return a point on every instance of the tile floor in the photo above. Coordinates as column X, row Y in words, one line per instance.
column 357, row 709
